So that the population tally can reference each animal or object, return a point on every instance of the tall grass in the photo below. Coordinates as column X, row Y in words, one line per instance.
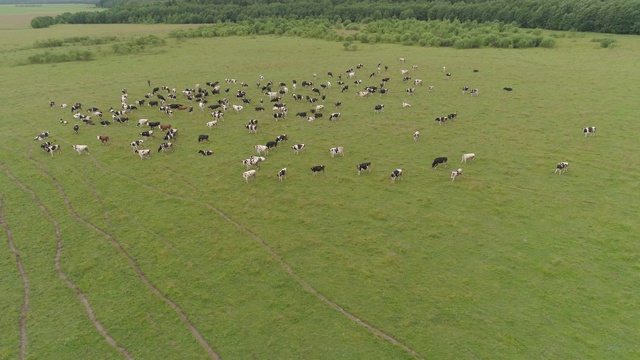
column 509, row 261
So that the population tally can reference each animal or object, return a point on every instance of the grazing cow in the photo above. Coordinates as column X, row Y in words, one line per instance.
column 431, row 87
column 212, row 123
column 402, row 60
column 45, row 145
column 417, row 82
column 442, row 119
column 63, row 121
column 105, row 123
column 589, row 131
column 469, row 157
column 279, row 115
column 310, row 118
column 474, row 92
column 165, row 146
column 282, row 174
column 205, row 152
column 259, row 108
column 282, row 137
column 253, row 122
column 297, row 148
column 302, row 114
column 334, row 116
column 143, row 122
column 146, row 134
column 137, row 143
column 252, row 128
column 248, row 174
column 378, row 108
column 336, row 151
column 406, row 105
column 416, row 136
column 507, row 89
column 455, row 174
column 103, row 139
column 52, row 148
column 271, row 144
column 448, row 75
column 153, row 124
column 42, row 136
column 76, row 128
column 144, row 153
column 203, row 137
column 561, row 167
column 404, row 72
column 165, row 127
column 465, row 89
column 364, row 166
column 316, row 169
column 396, row 174
column 80, row 148
column 410, row 90
column 237, row 108
column 261, row 149
column 439, row 160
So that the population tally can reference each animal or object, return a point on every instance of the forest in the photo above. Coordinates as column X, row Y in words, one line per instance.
column 615, row 16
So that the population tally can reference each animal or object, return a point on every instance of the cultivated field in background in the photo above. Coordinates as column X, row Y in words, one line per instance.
column 16, row 17
column 509, row 261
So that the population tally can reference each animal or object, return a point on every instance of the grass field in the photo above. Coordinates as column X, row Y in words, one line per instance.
column 178, row 258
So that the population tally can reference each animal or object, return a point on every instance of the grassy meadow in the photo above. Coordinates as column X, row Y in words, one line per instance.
column 178, row 258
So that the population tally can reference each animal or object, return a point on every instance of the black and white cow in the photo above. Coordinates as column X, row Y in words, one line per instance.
column 465, row 89
column 475, row 92
column 42, row 136
column 396, row 174
column 252, row 128
column 318, row 168
column 378, row 108
column 282, row 174
column 248, row 174
column 416, row 136
column 282, row 137
column 137, row 143
column 165, row 146
column 146, row 153
column 76, row 128
column 52, row 148
column 339, row 150
column 297, row 148
column 146, row 134
column 334, row 116
column 364, row 166
column 589, row 131
column 561, row 167
column 439, row 160
column 205, row 152
column 455, row 174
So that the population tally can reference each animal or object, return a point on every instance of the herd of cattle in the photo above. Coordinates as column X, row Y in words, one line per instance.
column 166, row 100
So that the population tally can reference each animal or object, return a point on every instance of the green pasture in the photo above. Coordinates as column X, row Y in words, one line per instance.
column 510, row 261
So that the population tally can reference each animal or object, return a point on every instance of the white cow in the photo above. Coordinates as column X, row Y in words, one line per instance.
column 80, row 148
column 406, row 105
column 336, row 151
column 261, row 149
column 237, row 108
column 247, row 174
column 416, row 135
column 146, row 153
column 211, row 124
column 470, row 157
column 455, row 174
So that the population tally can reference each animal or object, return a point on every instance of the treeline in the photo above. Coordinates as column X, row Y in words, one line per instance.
column 40, row 2
column 611, row 16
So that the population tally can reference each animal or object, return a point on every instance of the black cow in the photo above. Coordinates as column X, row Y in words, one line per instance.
column 202, row 138
column 318, row 168
column 439, row 160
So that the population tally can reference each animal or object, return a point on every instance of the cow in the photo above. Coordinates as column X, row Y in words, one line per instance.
column 334, row 116
column 561, row 167
column 416, row 136
column 165, row 146
column 474, row 92
column 410, row 90
column 297, row 148
column 80, row 149
column 316, row 169
column 212, row 123
column 205, row 152
column 143, row 122
column 146, row 134
column 281, row 138
column 465, row 89
column 468, row 157
column 104, row 139
column 253, row 122
column 105, row 123
column 137, row 143
column 364, row 166
column 442, row 119
column 45, row 145
column 252, row 128
column 336, row 151
column 406, row 105
column 248, row 174
column 237, row 108
column 64, row 122
column 282, row 174
column 76, row 128
column 144, row 153
column 261, row 149
column 439, row 160
column 279, row 115
column 165, row 127
column 203, row 137
column 171, row 134
column 271, row 144
column 378, row 108
column 42, row 136
column 589, row 131
column 507, row 89
column 455, row 174
column 396, row 174
column 52, row 148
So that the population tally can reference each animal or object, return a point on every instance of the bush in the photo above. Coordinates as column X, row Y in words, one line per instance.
column 607, row 42
column 48, row 43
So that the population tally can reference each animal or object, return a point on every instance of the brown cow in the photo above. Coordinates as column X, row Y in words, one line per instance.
column 104, row 139
column 165, row 127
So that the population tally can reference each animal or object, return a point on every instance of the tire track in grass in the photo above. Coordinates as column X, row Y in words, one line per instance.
column 25, row 282
column 56, row 261
column 183, row 316
column 286, row 267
